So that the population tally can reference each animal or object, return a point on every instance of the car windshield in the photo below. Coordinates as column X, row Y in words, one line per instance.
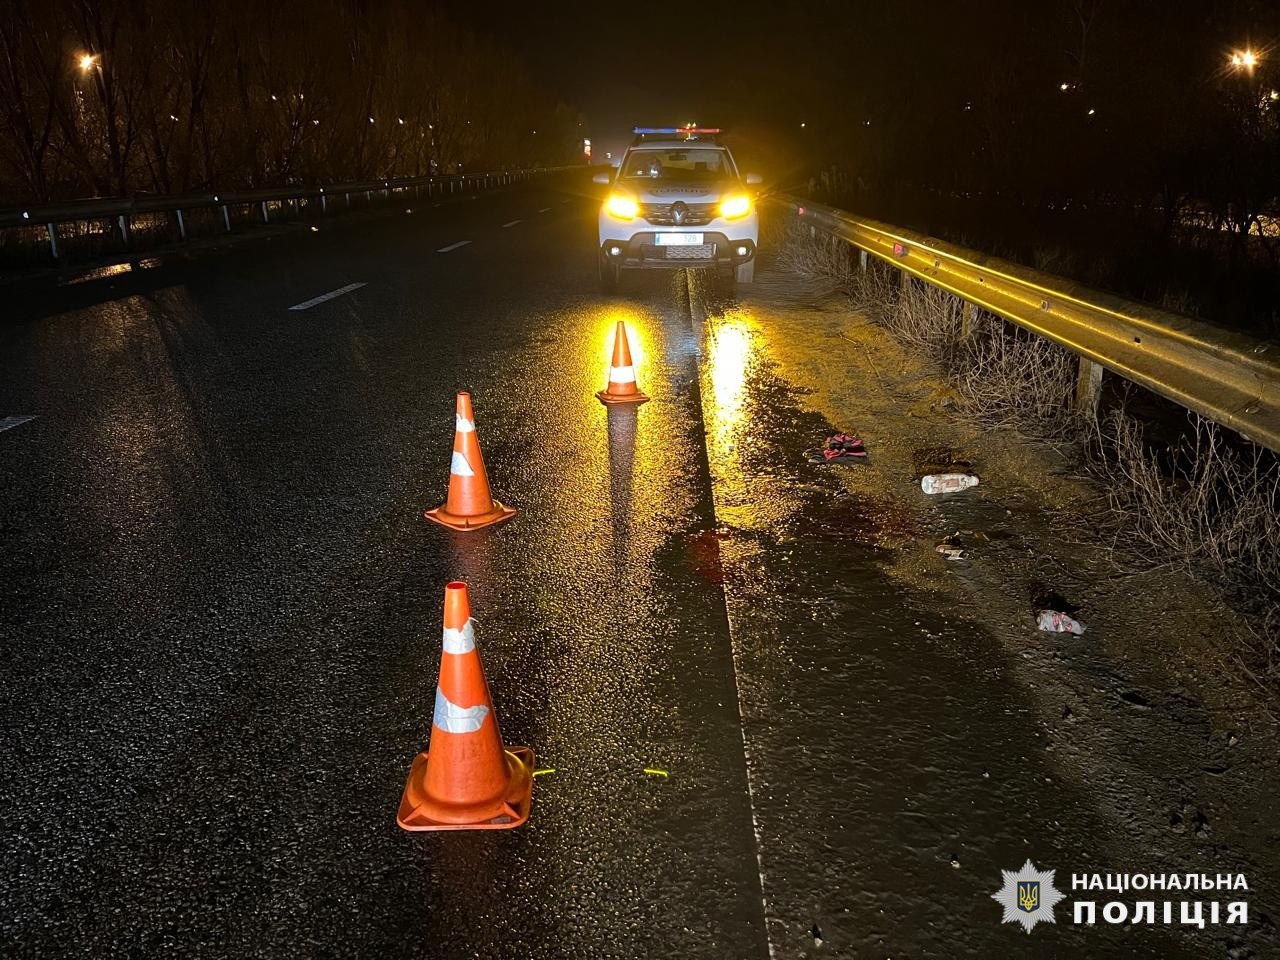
column 693, row 164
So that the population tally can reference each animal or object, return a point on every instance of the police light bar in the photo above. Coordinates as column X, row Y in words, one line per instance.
column 643, row 130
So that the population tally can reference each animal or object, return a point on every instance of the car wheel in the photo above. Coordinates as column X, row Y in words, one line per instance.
column 746, row 272
column 609, row 275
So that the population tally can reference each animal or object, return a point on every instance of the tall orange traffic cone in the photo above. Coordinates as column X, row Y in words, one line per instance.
column 622, row 375
column 470, row 504
column 465, row 780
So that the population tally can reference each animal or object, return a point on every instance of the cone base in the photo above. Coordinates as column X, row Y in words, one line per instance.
column 607, row 397
column 513, row 812
column 456, row 521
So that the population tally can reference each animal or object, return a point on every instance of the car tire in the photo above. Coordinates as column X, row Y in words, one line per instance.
column 745, row 272
column 610, row 273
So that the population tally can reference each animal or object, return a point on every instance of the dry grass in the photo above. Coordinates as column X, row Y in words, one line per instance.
column 1212, row 504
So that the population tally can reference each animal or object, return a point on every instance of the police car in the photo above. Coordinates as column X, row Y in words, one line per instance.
column 677, row 200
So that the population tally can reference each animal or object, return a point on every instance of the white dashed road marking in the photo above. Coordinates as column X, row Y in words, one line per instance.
column 545, row 210
column 511, row 224
column 453, row 246
column 308, row 304
column 8, row 423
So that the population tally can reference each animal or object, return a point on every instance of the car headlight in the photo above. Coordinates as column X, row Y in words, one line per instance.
column 738, row 205
column 621, row 207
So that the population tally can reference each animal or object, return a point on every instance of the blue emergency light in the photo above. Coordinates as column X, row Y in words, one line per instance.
column 639, row 131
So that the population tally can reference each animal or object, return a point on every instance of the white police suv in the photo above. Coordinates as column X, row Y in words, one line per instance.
column 677, row 200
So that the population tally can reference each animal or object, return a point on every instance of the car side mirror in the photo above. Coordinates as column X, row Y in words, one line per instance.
column 605, row 178
column 753, row 178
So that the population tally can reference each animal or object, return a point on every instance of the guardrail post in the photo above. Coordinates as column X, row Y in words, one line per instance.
column 862, row 260
column 1089, row 387
column 53, row 239
column 182, row 226
column 966, row 319
column 226, row 217
column 123, row 220
column 904, row 281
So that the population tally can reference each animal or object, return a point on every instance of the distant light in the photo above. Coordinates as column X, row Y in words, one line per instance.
column 401, row 121
column 87, row 61
column 371, row 119
column 866, row 123
column 1092, row 111
column 742, row 251
column 802, row 124
column 1244, row 59
column 173, row 118
column 315, row 229
column 315, row 123
column 274, row 97
column 1275, row 94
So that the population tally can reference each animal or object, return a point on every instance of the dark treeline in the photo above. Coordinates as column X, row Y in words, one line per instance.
column 1113, row 140
column 103, row 97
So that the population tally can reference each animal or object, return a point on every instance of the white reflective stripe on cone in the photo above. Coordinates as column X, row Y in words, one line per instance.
column 460, row 641
column 460, row 466
column 622, row 374
column 452, row 718
column 463, row 424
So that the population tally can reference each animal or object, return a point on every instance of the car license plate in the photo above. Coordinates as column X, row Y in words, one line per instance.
column 678, row 240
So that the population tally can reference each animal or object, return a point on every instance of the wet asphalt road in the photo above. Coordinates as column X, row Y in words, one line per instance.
column 221, row 615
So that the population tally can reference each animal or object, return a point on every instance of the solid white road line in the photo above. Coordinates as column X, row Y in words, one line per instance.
column 511, row 224
column 545, row 210
column 453, row 246
column 308, row 304
column 9, row 423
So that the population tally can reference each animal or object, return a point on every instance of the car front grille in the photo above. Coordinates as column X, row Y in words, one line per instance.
column 703, row 251
column 659, row 214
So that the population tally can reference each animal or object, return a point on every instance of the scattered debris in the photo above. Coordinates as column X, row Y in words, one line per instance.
column 654, row 771
column 1055, row 621
column 840, row 448
column 955, row 862
column 951, row 551
column 816, row 932
column 947, row 482
column 544, row 770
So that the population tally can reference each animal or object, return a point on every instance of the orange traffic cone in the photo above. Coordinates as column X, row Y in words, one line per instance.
column 466, row 780
column 470, row 505
column 622, row 375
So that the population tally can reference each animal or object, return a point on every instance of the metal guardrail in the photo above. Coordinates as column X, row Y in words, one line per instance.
column 1231, row 378
column 122, row 210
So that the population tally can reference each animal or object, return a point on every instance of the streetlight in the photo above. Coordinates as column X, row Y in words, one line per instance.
column 1244, row 60
column 88, row 61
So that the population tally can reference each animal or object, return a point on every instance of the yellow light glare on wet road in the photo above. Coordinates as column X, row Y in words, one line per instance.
column 730, row 352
